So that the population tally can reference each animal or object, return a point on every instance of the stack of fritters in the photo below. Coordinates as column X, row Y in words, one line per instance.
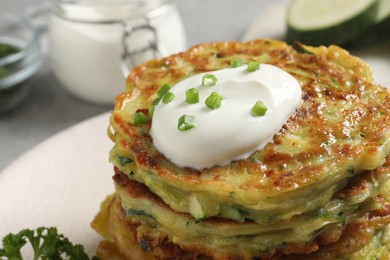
column 320, row 188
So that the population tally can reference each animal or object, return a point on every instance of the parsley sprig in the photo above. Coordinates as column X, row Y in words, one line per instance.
column 46, row 244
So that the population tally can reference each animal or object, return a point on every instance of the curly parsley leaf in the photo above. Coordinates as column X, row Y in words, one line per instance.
column 46, row 244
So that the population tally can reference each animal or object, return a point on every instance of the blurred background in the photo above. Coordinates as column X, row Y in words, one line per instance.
column 52, row 106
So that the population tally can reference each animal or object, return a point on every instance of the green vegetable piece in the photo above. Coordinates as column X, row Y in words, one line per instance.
column 186, row 122
column 4, row 72
column 236, row 63
column 328, row 23
column 7, row 49
column 253, row 66
column 168, row 97
column 151, row 111
column 137, row 212
column 140, row 118
column 209, row 80
column 124, row 160
column 259, row 109
column 156, row 101
column 12, row 245
column 164, row 89
column 192, row 96
column 46, row 244
column 152, row 106
column 232, row 212
column 214, row 101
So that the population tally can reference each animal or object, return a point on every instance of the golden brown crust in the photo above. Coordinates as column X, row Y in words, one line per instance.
column 328, row 237
column 332, row 82
column 128, row 240
column 353, row 237
column 340, row 131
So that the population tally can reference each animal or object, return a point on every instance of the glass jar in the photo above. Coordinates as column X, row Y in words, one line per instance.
column 94, row 43
column 20, row 59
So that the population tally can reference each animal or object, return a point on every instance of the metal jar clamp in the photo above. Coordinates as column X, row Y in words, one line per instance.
column 154, row 45
column 129, row 52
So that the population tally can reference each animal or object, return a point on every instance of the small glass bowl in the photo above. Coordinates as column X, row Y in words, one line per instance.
column 20, row 59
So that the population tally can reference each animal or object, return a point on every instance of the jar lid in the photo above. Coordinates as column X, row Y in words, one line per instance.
column 109, row 11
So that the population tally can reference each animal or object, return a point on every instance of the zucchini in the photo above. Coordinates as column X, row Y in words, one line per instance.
column 329, row 22
column 231, row 212
column 377, row 33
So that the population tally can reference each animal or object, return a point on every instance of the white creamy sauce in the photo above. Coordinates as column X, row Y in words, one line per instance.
column 85, row 55
column 230, row 132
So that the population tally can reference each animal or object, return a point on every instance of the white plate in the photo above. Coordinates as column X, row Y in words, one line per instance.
column 61, row 182
column 270, row 23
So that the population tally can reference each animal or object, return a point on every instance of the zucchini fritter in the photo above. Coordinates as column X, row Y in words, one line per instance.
column 340, row 129
column 361, row 200
column 319, row 189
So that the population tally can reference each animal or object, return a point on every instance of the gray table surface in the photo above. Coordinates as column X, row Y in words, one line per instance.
column 49, row 109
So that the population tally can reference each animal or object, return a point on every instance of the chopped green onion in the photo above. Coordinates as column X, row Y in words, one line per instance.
column 236, row 63
column 186, row 122
column 140, row 118
column 209, row 80
column 164, row 89
column 156, row 101
column 192, row 96
column 214, row 101
column 151, row 110
column 253, row 66
column 259, row 109
column 152, row 106
column 168, row 97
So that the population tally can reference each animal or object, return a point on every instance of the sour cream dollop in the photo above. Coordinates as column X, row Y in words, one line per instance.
column 230, row 132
